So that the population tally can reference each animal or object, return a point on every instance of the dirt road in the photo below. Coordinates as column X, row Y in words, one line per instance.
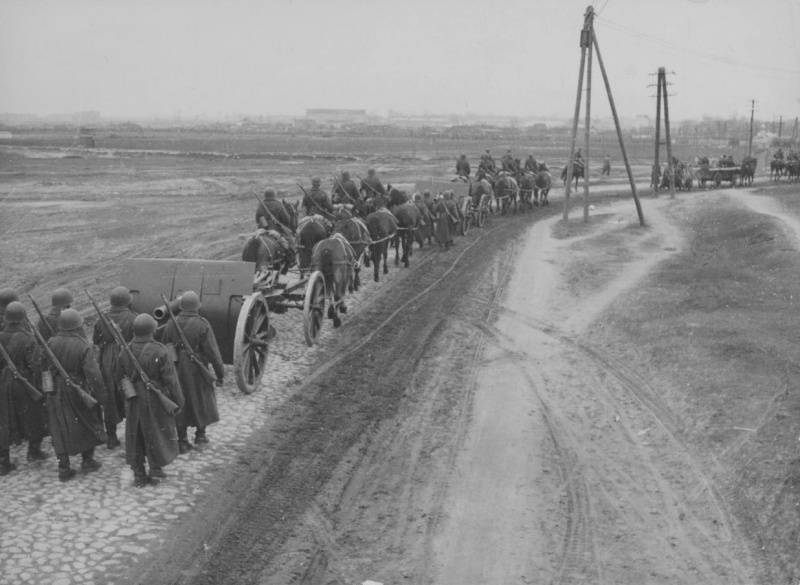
column 477, row 435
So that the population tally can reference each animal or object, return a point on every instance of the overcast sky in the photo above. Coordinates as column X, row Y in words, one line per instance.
column 143, row 58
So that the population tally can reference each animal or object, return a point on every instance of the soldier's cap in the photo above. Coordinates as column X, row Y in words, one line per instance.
column 426, row 193
column 144, row 325
column 120, row 297
column 345, row 175
column 15, row 312
column 370, row 171
column 417, row 197
column 61, row 298
column 190, row 301
column 7, row 295
column 269, row 194
column 69, row 320
column 316, row 181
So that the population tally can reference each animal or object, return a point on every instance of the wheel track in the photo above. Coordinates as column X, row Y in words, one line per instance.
column 609, row 365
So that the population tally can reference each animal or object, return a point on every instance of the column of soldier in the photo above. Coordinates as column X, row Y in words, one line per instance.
column 54, row 380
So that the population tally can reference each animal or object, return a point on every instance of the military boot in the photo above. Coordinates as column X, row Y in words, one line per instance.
column 35, row 452
column 89, row 463
column 65, row 472
column 112, row 442
column 140, row 478
column 200, row 437
column 6, row 466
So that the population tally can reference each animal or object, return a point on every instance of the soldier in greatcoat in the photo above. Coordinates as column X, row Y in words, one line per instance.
column 21, row 416
column 345, row 190
column 462, row 166
column 151, row 431
column 200, row 408
column 60, row 300
column 7, row 295
column 371, row 185
column 75, row 427
column 272, row 216
column 317, row 201
column 114, row 405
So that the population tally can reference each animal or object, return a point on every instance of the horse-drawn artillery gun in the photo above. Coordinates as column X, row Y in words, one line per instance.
column 236, row 304
column 710, row 170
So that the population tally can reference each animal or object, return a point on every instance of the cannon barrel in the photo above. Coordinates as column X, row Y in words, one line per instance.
column 221, row 285
column 161, row 314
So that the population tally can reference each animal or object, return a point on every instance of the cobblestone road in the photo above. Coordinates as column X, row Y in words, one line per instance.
column 92, row 529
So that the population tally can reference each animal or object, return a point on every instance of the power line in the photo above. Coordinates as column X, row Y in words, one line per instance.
column 700, row 54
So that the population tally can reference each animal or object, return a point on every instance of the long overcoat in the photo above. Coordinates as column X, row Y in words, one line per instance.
column 444, row 226
column 145, row 411
column 75, row 428
column 114, row 405
column 20, row 416
column 201, row 400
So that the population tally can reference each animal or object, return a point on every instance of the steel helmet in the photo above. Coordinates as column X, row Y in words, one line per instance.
column 69, row 320
column 190, row 301
column 61, row 298
column 120, row 297
column 144, row 325
column 15, row 312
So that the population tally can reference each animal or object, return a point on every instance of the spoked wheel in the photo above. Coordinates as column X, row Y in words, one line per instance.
column 251, row 343
column 314, row 307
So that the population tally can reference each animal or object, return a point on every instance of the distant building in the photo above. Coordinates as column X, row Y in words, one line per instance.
column 335, row 117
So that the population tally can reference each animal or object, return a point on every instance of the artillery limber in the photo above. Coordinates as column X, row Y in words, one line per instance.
column 236, row 304
column 470, row 214
column 708, row 171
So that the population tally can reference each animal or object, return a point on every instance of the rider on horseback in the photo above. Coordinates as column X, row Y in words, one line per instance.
column 345, row 190
column 274, row 221
column 317, row 200
column 462, row 166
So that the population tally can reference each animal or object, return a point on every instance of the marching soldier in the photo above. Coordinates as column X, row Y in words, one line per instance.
column 462, row 166
column 7, row 296
column 372, row 186
column 114, row 405
column 317, row 201
column 194, row 354
column 345, row 190
column 22, row 411
column 151, row 432
column 61, row 299
column 74, row 425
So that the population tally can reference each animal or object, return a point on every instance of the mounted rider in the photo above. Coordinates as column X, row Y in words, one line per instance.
column 508, row 163
column 316, row 200
column 487, row 163
column 462, row 166
column 275, row 221
column 372, row 185
column 531, row 165
column 345, row 190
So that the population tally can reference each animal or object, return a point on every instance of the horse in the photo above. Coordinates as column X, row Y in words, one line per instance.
column 527, row 182
column 506, row 191
column 310, row 230
column 577, row 172
column 356, row 233
column 408, row 217
column 749, row 164
column 269, row 248
column 382, row 226
column 335, row 258
column 541, row 187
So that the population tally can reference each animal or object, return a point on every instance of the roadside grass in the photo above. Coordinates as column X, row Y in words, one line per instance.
column 714, row 329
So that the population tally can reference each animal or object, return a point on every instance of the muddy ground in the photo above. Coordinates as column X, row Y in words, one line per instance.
column 544, row 403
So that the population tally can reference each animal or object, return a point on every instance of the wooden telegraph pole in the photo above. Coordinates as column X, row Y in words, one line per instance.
column 671, row 176
column 663, row 96
column 750, row 141
column 589, row 44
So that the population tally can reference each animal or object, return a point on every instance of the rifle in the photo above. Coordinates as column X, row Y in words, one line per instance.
column 343, row 190
column 88, row 400
column 41, row 316
column 326, row 214
column 116, row 334
column 33, row 392
column 275, row 219
column 371, row 188
column 185, row 342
